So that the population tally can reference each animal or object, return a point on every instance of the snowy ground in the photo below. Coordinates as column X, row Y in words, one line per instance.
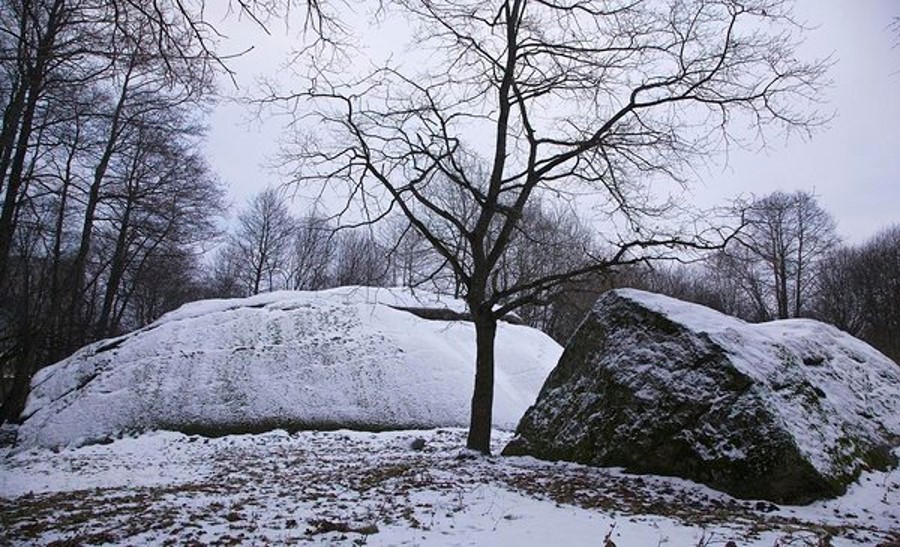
column 351, row 488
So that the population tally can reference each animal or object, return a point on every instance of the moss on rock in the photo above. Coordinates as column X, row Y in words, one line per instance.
column 639, row 389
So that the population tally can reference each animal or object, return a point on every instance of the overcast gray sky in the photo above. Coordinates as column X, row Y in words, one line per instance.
column 853, row 164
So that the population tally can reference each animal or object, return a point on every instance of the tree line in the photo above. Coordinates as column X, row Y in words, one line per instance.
column 272, row 248
column 107, row 196
column 789, row 263
column 786, row 261
column 108, row 202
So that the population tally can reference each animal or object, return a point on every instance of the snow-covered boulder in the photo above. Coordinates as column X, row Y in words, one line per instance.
column 788, row 411
column 342, row 358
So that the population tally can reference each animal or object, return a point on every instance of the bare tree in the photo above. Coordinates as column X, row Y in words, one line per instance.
column 165, row 203
column 841, row 300
column 785, row 238
column 171, row 276
column 606, row 98
column 734, row 293
column 413, row 261
column 78, row 80
column 51, row 48
column 861, row 291
column 360, row 260
column 313, row 253
column 100, row 180
column 546, row 241
column 38, row 47
column 262, row 242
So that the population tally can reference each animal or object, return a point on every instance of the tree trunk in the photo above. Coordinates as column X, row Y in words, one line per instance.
column 13, row 185
column 12, row 114
column 116, row 271
column 58, row 329
column 79, row 266
column 483, row 396
column 14, row 402
column 798, row 276
column 34, row 79
column 781, row 289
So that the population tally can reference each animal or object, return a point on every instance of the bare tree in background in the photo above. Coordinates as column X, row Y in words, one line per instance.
column 164, row 204
column 78, row 80
column 52, row 49
column 261, row 245
column 606, row 99
column 87, row 209
column 313, row 253
column 413, row 261
column 861, row 291
column 841, row 299
column 360, row 260
column 778, row 252
column 546, row 241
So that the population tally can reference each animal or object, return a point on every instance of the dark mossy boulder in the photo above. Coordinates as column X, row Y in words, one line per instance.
column 787, row 411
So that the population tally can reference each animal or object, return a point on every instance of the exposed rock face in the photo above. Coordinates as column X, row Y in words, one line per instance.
column 343, row 358
column 788, row 411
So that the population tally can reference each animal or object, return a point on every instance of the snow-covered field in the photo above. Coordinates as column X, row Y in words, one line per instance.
column 353, row 488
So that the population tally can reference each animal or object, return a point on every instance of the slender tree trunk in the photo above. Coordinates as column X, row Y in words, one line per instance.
column 117, row 270
column 483, row 396
column 34, row 80
column 57, row 338
column 781, row 289
column 79, row 265
column 116, row 319
column 12, row 114
column 23, row 367
column 257, row 279
column 14, row 402
column 13, row 185
column 783, row 301
column 798, row 277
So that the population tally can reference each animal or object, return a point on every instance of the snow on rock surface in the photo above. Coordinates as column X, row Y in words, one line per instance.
column 297, row 360
column 789, row 411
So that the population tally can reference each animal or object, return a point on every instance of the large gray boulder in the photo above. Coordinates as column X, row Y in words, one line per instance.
column 788, row 411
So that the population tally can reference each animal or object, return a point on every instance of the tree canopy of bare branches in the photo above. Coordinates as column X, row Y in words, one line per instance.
column 515, row 99
column 860, row 290
column 100, row 171
column 777, row 256
column 260, row 246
